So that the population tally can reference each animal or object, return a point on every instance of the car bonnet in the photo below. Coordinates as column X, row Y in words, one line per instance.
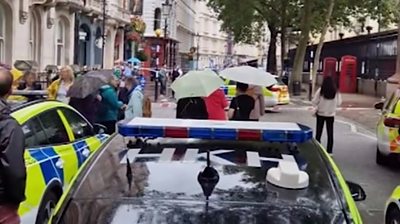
column 164, row 184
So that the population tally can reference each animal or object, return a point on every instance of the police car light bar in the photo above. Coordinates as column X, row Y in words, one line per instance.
column 215, row 130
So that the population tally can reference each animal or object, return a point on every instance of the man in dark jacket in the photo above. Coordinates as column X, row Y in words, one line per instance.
column 12, row 164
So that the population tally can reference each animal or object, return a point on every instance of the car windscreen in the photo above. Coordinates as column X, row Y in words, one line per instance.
column 164, row 186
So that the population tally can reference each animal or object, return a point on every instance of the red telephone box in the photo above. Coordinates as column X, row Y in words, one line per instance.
column 348, row 74
column 330, row 66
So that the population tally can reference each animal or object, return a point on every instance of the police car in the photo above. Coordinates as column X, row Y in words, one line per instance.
column 387, row 131
column 271, row 99
column 199, row 171
column 58, row 140
column 392, row 211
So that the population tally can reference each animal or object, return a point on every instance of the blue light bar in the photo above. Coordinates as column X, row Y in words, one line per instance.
column 215, row 130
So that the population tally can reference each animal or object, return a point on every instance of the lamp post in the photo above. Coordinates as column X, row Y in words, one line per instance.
column 166, row 10
column 198, row 50
column 311, row 71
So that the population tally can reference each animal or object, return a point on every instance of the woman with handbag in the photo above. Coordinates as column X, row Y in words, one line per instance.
column 326, row 100
column 241, row 105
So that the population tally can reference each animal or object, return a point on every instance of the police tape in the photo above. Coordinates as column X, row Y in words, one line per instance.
column 308, row 108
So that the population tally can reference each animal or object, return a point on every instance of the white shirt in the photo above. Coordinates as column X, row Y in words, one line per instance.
column 62, row 93
column 326, row 107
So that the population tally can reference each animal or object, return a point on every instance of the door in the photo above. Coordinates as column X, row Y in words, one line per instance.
column 85, row 140
column 36, row 164
column 59, row 148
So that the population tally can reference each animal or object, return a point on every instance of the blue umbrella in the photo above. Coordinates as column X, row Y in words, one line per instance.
column 134, row 60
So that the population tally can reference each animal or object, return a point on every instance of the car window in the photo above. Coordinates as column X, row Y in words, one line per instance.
column 80, row 127
column 53, row 127
column 34, row 134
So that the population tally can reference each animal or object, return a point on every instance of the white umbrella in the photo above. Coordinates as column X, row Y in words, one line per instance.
column 249, row 75
column 196, row 84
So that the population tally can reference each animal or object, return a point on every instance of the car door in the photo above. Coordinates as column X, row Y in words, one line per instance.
column 85, row 141
column 35, row 162
column 60, row 148
column 385, row 134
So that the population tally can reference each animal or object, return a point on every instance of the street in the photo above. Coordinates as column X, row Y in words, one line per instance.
column 354, row 152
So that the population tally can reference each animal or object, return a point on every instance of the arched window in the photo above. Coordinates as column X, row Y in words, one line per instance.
column 34, row 37
column 157, row 18
column 61, row 42
column 2, row 34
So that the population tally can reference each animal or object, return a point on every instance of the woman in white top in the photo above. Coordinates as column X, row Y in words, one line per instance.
column 59, row 88
column 326, row 100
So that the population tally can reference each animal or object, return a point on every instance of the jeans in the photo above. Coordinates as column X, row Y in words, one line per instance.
column 329, row 129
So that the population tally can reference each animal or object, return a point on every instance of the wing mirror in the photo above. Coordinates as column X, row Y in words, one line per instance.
column 99, row 129
column 391, row 122
column 357, row 192
column 379, row 106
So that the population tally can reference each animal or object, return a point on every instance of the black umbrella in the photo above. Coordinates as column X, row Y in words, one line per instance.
column 89, row 83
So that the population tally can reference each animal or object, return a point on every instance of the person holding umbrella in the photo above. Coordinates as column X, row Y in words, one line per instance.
column 85, row 93
column 110, row 105
column 241, row 105
column 190, row 90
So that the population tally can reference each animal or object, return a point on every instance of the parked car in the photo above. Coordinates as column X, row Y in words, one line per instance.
column 387, row 131
column 58, row 141
column 281, row 91
column 270, row 98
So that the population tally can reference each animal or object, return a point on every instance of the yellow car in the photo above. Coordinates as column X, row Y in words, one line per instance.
column 388, row 145
column 270, row 98
column 392, row 211
column 281, row 90
column 58, row 140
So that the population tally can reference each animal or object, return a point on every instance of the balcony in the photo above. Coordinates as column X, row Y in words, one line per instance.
column 119, row 13
column 71, row 3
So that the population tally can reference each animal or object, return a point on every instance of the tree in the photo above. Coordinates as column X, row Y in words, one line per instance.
column 245, row 19
column 314, row 10
column 320, row 44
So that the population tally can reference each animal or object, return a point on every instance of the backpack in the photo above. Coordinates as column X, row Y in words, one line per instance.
column 147, row 107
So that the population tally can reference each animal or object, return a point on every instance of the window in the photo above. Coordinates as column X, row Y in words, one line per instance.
column 80, row 127
column 2, row 34
column 34, row 37
column 157, row 18
column 60, row 42
column 54, row 128
column 34, row 134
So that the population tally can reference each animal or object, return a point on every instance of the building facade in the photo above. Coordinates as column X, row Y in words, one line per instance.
column 60, row 32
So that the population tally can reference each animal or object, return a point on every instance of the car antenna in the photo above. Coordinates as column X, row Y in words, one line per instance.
column 129, row 175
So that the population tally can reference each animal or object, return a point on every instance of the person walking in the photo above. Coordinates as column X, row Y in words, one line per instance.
column 59, row 88
column 326, row 100
column 12, row 163
column 216, row 104
column 259, row 104
column 109, row 106
column 135, row 104
column 241, row 105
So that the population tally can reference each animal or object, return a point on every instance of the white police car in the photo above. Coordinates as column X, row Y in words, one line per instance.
column 199, row 171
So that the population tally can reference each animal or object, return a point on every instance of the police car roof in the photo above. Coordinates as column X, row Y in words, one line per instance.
column 165, row 183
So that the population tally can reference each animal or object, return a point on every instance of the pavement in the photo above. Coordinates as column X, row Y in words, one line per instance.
column 354, row 149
